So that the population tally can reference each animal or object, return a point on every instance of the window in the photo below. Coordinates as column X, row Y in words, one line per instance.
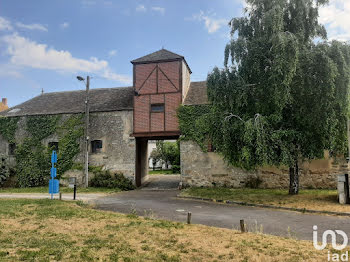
column 211, row 147
column 157, row 108
column 96, row 146
column 12, row 149
column 53, row 146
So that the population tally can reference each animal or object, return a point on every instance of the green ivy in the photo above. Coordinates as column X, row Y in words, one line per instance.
column 33, row 158
column 4, row 170
column 32, row 163
column 70, row 132
column 40, row 127
column 8, row 126
column 193, row 122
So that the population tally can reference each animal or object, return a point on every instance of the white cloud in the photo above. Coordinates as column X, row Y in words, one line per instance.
column 112, row 52
column 26, row 53
column 161, row 10
column 5, row 24
column 141, row 8
column 336, row 17
column 39, row 27
column 211, row 24
column 64, row 25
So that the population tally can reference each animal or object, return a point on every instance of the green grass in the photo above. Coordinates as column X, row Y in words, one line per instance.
column 160, row 172
column 52, row 230
column 62, row 190
column 317, row 199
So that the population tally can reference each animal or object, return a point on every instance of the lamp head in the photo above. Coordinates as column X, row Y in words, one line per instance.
column 80, row 78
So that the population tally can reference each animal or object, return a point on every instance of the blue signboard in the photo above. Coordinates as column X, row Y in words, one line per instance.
column 54, row 185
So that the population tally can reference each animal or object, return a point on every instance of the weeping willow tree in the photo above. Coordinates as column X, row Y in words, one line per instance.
column 282, row 96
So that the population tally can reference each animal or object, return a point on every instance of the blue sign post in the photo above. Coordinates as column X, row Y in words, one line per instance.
column 54, row 186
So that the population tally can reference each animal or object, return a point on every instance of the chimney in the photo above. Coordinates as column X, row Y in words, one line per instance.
column 4, row 101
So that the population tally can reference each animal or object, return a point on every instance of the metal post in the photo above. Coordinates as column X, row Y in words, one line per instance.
column 75, row 192
column 86, row 135
column 60, row 196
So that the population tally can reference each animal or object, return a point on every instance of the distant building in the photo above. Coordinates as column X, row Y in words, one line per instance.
column 3, row 104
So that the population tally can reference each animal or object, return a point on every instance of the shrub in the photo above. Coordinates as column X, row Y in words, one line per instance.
column 253, row 182
column 105, row 179
column 175, row 169
column 4, row 171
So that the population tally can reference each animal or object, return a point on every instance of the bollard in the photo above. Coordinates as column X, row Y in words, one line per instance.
column 75, row 192
column 241, row 222
column 60, row 196
column 189, row 215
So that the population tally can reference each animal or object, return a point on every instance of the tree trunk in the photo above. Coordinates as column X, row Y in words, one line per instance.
column 294, row 179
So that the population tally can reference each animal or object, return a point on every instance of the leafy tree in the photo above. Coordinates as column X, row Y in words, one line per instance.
column 281, row 96
column 156, row 157
column 169, row 152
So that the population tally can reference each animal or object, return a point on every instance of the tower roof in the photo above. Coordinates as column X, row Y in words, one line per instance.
column 161, row 55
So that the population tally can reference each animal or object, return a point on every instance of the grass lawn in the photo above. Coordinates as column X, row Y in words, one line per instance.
column 160, row 172
column 52, row 230
column 325, row 200
column 62, row 190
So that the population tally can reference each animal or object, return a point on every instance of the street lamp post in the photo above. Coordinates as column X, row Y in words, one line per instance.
column 86, row 130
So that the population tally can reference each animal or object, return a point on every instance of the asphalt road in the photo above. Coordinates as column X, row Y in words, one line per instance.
column 164, row 204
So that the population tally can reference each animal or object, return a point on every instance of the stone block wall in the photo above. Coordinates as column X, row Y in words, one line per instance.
column 113, row 128
column 118, row 151
column 209, row 169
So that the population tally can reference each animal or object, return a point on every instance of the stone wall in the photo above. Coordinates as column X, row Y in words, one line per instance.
column 118, row 152
column 208, row 169
column 113, row 128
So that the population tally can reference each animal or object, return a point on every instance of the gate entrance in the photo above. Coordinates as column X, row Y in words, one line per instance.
column 161, row 81
column 143, row 166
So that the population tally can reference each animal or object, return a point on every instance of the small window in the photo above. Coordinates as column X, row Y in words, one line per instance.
column 53, row 146
column 157, row 108
column 211, row 147
column 96, row 146
column 12, row 149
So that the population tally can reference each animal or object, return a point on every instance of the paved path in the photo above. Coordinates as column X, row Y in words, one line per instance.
column 87, row 197
column 162, row 182
column 165, row 205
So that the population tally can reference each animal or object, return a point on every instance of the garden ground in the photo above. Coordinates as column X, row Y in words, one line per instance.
column 47, row 230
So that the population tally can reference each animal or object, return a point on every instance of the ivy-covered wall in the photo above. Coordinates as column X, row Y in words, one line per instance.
column 32, row 156
column 193, row 122
column 32, row 134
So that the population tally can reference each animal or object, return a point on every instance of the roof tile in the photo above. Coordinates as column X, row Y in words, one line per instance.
column 101, row 100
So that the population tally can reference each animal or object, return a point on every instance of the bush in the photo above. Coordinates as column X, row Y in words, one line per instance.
column 175, row 169
column 105, row 179
column 253, row 182
column 4, row 171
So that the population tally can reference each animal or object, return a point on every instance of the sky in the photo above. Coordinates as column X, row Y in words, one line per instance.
column 44, row 44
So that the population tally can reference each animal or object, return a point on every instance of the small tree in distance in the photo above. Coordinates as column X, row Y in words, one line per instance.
column 281, row 97
column 168, row 152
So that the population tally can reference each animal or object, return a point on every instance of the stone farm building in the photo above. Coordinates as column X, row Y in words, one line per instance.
column 123, row 119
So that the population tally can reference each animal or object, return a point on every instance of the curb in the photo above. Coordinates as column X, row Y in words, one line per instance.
column 302, row 210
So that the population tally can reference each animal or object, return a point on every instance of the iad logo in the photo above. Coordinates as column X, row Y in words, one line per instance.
column 332, row 234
